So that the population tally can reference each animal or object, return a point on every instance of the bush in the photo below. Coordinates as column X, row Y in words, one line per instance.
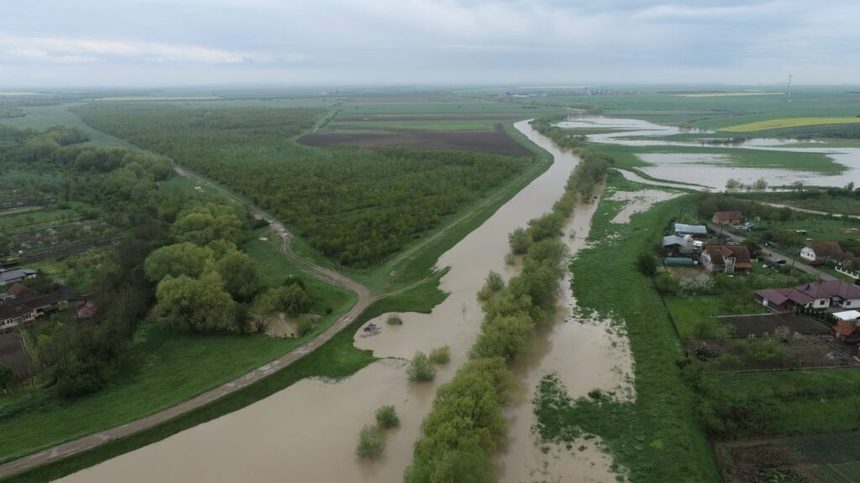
column 306, row 324
column 646, row 264
column 494, row 281
column 386, row 417
column 440, row 355
column 394, row 320
column 520, row 241
column 421, row 369
column 371, row 442
column 665, row 284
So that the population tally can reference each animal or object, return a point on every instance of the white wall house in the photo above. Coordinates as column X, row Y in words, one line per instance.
column 807, row 253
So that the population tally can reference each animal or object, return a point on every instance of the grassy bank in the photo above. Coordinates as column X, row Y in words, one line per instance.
column 334, row 360
column 657, row 437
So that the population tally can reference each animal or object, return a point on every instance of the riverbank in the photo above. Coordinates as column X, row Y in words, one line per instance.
column 656, row 437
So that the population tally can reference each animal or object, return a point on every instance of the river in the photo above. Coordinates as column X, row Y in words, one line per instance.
column 308, row 431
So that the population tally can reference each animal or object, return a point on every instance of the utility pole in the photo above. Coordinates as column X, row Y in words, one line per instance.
column 788, row 90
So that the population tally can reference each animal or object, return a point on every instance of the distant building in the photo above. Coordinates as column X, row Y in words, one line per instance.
column 726, row 258
column 728, row 218
column 695, row 231
column 822, row 251
column 13, row 313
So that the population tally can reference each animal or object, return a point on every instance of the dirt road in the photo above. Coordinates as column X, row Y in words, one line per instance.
column 91, row 441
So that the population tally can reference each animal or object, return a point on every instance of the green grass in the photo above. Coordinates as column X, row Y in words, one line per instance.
column 335, row 360
column 657, row 437
column 818, row 200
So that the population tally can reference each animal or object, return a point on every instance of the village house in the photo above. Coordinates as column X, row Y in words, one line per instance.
column 726, row 258
column 684, row 245
column 816, row 295
column 695, row 231
column 21, row 304
column 728, row 218
column 846, row 323
column 822, row 251
column 13, row 313
column 13, row 276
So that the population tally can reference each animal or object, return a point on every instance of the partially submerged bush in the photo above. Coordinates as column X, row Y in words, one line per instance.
column 394, row 320
column 386, row 417
column 440, row 355
column 421, row 369
column 371, row 442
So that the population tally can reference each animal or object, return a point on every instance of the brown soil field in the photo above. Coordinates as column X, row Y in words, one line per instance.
column 815, row 458
column 759, row 325
column 496, row 142
column 799, row 351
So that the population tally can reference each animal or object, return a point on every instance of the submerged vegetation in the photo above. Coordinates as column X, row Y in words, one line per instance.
column 466, row 423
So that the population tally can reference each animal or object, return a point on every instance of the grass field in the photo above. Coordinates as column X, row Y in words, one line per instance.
column 657, row 437
column 44, row 117
column 789, row 123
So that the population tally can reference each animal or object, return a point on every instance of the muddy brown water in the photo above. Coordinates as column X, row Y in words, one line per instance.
column 308, row 431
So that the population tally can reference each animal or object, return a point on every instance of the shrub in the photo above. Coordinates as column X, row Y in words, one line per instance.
column 306, row 324
column 421, row 369
column 386, row 417
column 371, row 442
column 646, row 264
column 494, row 281
column 440, row 355
column 394, row 320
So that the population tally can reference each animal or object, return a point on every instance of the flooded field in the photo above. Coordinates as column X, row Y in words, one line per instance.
column 308, row 431
column 688, row 167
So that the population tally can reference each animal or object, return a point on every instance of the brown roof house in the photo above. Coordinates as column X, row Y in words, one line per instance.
column 13, row 313
column 822, row 251
column 728, row 218
column 726, row 258
column 816, row 295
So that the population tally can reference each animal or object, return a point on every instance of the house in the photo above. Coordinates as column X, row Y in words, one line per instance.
column 681, row 244
column 12, row 276
column 13, row 313
column 695, row 231
column 822, row 251
column 726, row 258
column 728, row 218
column 847, row 323
column 816, row 295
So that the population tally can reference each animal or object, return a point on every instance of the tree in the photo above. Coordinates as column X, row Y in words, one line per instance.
column 176, row 260
column 207, row 223
column 507, row 337
column 200, row 304
column 291, row 299
column 421, row 369
column 733, row 184
column 520, row 241
column 239, row 274
column 440, row 355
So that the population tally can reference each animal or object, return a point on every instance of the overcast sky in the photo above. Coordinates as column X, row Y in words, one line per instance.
column 390, row 42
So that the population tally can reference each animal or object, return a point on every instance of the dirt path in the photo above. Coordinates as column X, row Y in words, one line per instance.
column 91, row 441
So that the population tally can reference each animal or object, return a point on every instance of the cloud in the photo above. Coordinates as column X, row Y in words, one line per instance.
column 439, row 41
column 66, row 50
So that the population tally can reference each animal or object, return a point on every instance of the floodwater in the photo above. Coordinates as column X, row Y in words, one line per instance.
column 308, row 431
column 688, row 167
column 585, row 354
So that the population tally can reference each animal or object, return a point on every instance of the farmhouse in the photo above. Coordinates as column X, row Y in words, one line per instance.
column 13, row 313
column 680, row 244
column 728, row 218
column 695, row 231
column 846, row 323
column 822, row 251
column 726, row 258
column 817, row 295
column 17, row 275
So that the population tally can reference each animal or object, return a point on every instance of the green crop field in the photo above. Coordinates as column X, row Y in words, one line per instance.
column 790, row 122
